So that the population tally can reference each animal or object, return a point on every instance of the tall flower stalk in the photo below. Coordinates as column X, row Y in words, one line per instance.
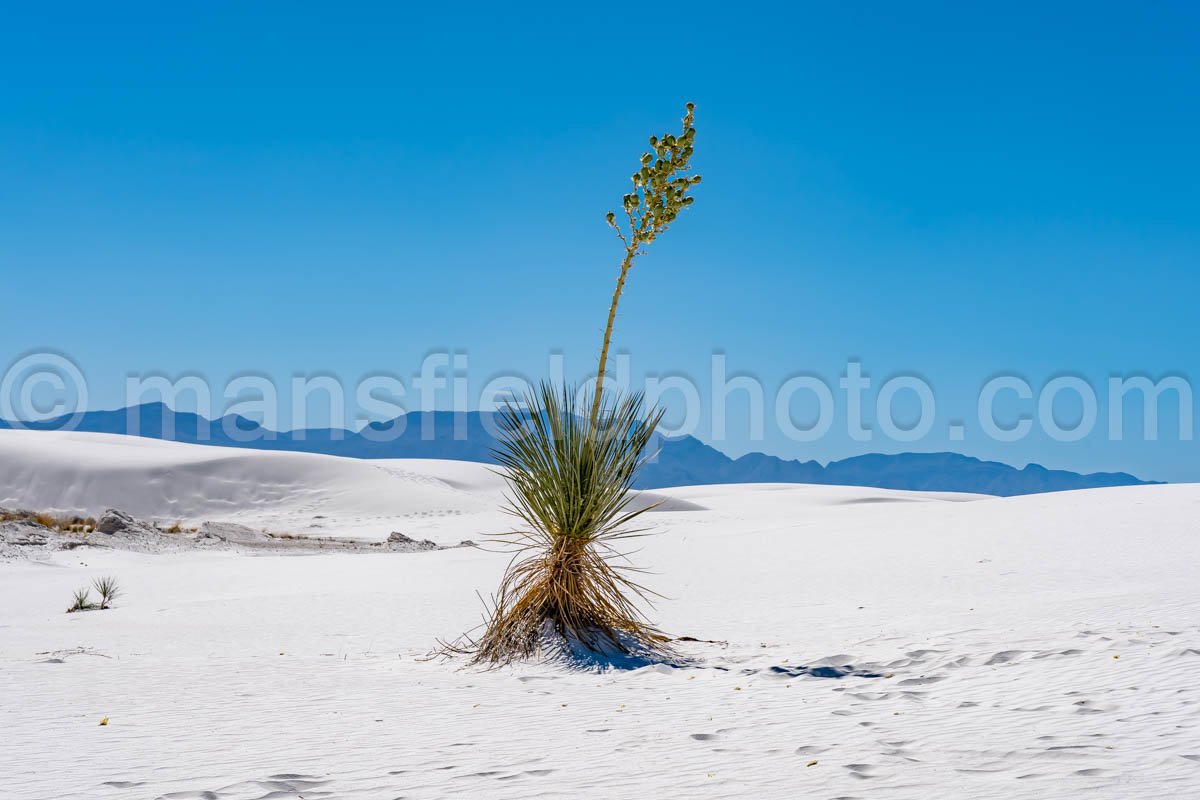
column 660, row 192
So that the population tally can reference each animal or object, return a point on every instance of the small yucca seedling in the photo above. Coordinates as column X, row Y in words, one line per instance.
column 108, row 590
column 82, row 601
column 570, row 471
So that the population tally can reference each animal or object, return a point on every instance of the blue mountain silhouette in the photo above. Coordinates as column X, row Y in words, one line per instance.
column 679, row 461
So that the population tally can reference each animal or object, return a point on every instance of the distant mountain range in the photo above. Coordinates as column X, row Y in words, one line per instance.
column 681, row 461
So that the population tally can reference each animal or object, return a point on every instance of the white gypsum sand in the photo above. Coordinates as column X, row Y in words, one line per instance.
column 75, row 473
column 1033, row 647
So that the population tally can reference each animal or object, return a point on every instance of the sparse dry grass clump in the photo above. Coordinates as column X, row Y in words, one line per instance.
column 55, row 522
column 77, row 525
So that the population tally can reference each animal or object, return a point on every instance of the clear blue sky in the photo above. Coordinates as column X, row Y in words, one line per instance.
column 945, row 189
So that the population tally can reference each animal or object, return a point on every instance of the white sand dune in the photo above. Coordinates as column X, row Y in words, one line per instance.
column 878, row 644
column 301, row 493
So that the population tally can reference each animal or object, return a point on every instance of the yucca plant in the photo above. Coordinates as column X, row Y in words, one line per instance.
column 570, row 483
column 108, row 589
column 570, row 470
column 82, row 601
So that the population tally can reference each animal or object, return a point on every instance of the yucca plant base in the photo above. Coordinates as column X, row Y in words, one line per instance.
column 567, row 605
column 569, row 592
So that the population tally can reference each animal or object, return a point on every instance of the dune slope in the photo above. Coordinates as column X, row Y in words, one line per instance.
column 866, row 644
